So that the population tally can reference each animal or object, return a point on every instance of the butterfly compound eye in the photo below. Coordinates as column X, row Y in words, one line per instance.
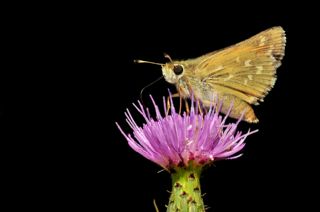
column 177, row 69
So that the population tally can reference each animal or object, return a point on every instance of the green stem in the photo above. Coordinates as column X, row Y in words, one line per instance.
column 186, row 192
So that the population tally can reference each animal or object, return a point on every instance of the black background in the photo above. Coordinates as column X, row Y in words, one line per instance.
column 87, row 53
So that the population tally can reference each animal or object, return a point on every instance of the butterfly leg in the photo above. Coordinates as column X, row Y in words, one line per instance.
column 169, row 104
column 199, row 107
column 180, row 105
column 187, row 106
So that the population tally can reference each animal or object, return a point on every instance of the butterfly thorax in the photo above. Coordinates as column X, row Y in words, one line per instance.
column 181, row 73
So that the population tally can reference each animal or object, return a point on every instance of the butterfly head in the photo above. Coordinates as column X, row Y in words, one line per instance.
column 172, row 72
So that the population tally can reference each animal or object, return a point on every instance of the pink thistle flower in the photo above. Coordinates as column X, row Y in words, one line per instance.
column 174, row 140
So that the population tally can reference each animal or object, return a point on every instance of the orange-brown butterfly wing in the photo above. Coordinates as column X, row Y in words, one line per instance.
column 243, row 73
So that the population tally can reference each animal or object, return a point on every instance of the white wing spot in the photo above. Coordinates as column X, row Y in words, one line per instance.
column 245, row 81
column 238, row 59
column 219, row 68
column 229, row 77
column 259, row 69
column 250, row 77
column 262, row 40
column 247, row 63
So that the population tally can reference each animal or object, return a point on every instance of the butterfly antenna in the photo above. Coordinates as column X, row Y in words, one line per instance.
column 149, row 62
column 142, row 90
column 167, row 56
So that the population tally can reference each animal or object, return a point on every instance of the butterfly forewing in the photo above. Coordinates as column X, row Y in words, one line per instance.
column 243, row 73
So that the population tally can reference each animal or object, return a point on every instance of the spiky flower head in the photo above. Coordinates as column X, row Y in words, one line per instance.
column 174, row 140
